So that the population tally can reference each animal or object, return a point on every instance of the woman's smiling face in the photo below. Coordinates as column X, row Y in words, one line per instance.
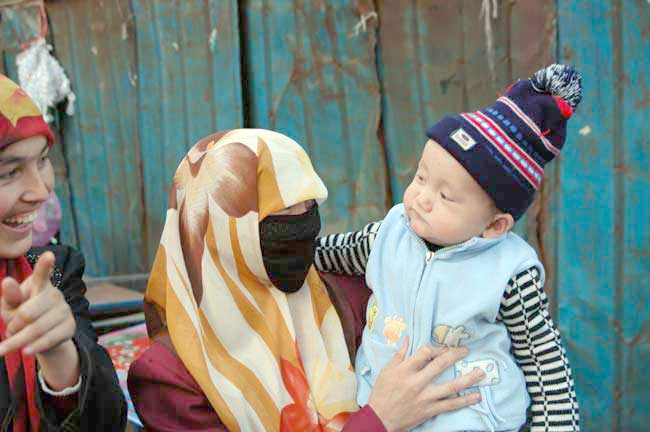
column 26, row 181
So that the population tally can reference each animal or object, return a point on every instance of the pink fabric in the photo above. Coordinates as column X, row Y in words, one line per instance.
column 48, row 221
column 167, row 398
column 365, row 420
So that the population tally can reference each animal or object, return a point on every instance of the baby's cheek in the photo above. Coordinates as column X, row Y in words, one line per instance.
column 450, row 228
column 407, row 198
column 429, row 229
column 409, row 194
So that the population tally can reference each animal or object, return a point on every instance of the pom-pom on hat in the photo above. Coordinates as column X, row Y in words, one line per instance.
column 20, row 118
column 505, row 146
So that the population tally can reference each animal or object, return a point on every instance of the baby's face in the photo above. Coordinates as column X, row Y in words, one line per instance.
column 444, row 204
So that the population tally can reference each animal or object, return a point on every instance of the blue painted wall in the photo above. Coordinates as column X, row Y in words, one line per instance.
column 602, row 214
column 356, row 83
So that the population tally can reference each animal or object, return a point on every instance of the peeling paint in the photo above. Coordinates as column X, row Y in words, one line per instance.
column 212, row 40
column 361, row 26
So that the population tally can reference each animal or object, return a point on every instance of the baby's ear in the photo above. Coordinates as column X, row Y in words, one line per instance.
column 500, row 225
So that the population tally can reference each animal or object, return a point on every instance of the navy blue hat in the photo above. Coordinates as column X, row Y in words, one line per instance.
column 505, row 147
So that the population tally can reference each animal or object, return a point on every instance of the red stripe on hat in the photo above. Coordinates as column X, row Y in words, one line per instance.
column 531, row 124
column 522, row 153
column 508, row 155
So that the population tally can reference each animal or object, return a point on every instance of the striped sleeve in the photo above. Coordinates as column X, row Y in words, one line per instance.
column 346, row 253
column 537, row 347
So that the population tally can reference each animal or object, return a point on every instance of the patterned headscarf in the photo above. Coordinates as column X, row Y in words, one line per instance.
column 20, row 118
column 266, row 360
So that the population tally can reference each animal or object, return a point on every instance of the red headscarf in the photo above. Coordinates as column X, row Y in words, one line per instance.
column 20, row 118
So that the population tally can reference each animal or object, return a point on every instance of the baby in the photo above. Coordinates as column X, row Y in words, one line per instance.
column 445, row 268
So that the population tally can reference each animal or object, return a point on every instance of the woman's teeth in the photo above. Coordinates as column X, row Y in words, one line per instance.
column 21, row 220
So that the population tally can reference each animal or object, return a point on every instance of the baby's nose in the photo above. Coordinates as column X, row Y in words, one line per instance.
column 425, row 203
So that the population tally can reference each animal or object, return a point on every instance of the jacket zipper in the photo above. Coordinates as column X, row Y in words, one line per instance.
column 428, row 257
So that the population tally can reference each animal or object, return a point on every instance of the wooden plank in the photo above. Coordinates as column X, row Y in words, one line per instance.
column 3, row 69
column 531, row 46
column 16, row 30
column 531, row 39
column 101, row 141
column 422, row 80
column 588, row 214
column 312, row 77
column 435, row 62
column 188, row 87
column 63, row 190
column 481, row 89
column 635, row 184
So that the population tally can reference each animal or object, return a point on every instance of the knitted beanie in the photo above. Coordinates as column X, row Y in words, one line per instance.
column 505, row 146
column 20, row 118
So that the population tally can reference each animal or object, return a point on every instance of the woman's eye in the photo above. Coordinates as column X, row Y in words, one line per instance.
column 9, row 175
column 42, row 161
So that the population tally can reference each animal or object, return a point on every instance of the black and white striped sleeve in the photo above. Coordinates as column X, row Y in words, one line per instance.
column 346, row 253
column 538, row 349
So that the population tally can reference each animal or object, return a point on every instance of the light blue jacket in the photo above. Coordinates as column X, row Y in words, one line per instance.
column 447, row 298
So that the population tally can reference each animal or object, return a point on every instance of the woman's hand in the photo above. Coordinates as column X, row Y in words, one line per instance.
column 404, row 394
column 39, row 320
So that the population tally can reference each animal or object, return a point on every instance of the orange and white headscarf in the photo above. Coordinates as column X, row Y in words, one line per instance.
column 266, row 360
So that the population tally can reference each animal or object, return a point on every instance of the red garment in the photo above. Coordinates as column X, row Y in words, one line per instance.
column 63, row 405
column 167, row 398
column 23, row 387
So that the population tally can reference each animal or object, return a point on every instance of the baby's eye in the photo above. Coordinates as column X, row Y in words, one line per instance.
column 445, row 197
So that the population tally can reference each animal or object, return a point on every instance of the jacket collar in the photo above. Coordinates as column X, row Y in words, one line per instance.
column 466, row 249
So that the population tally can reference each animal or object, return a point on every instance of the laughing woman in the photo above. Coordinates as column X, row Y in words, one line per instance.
column 53, row 374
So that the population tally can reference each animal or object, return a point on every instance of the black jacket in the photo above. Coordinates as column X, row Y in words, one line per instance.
column 101, row 404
